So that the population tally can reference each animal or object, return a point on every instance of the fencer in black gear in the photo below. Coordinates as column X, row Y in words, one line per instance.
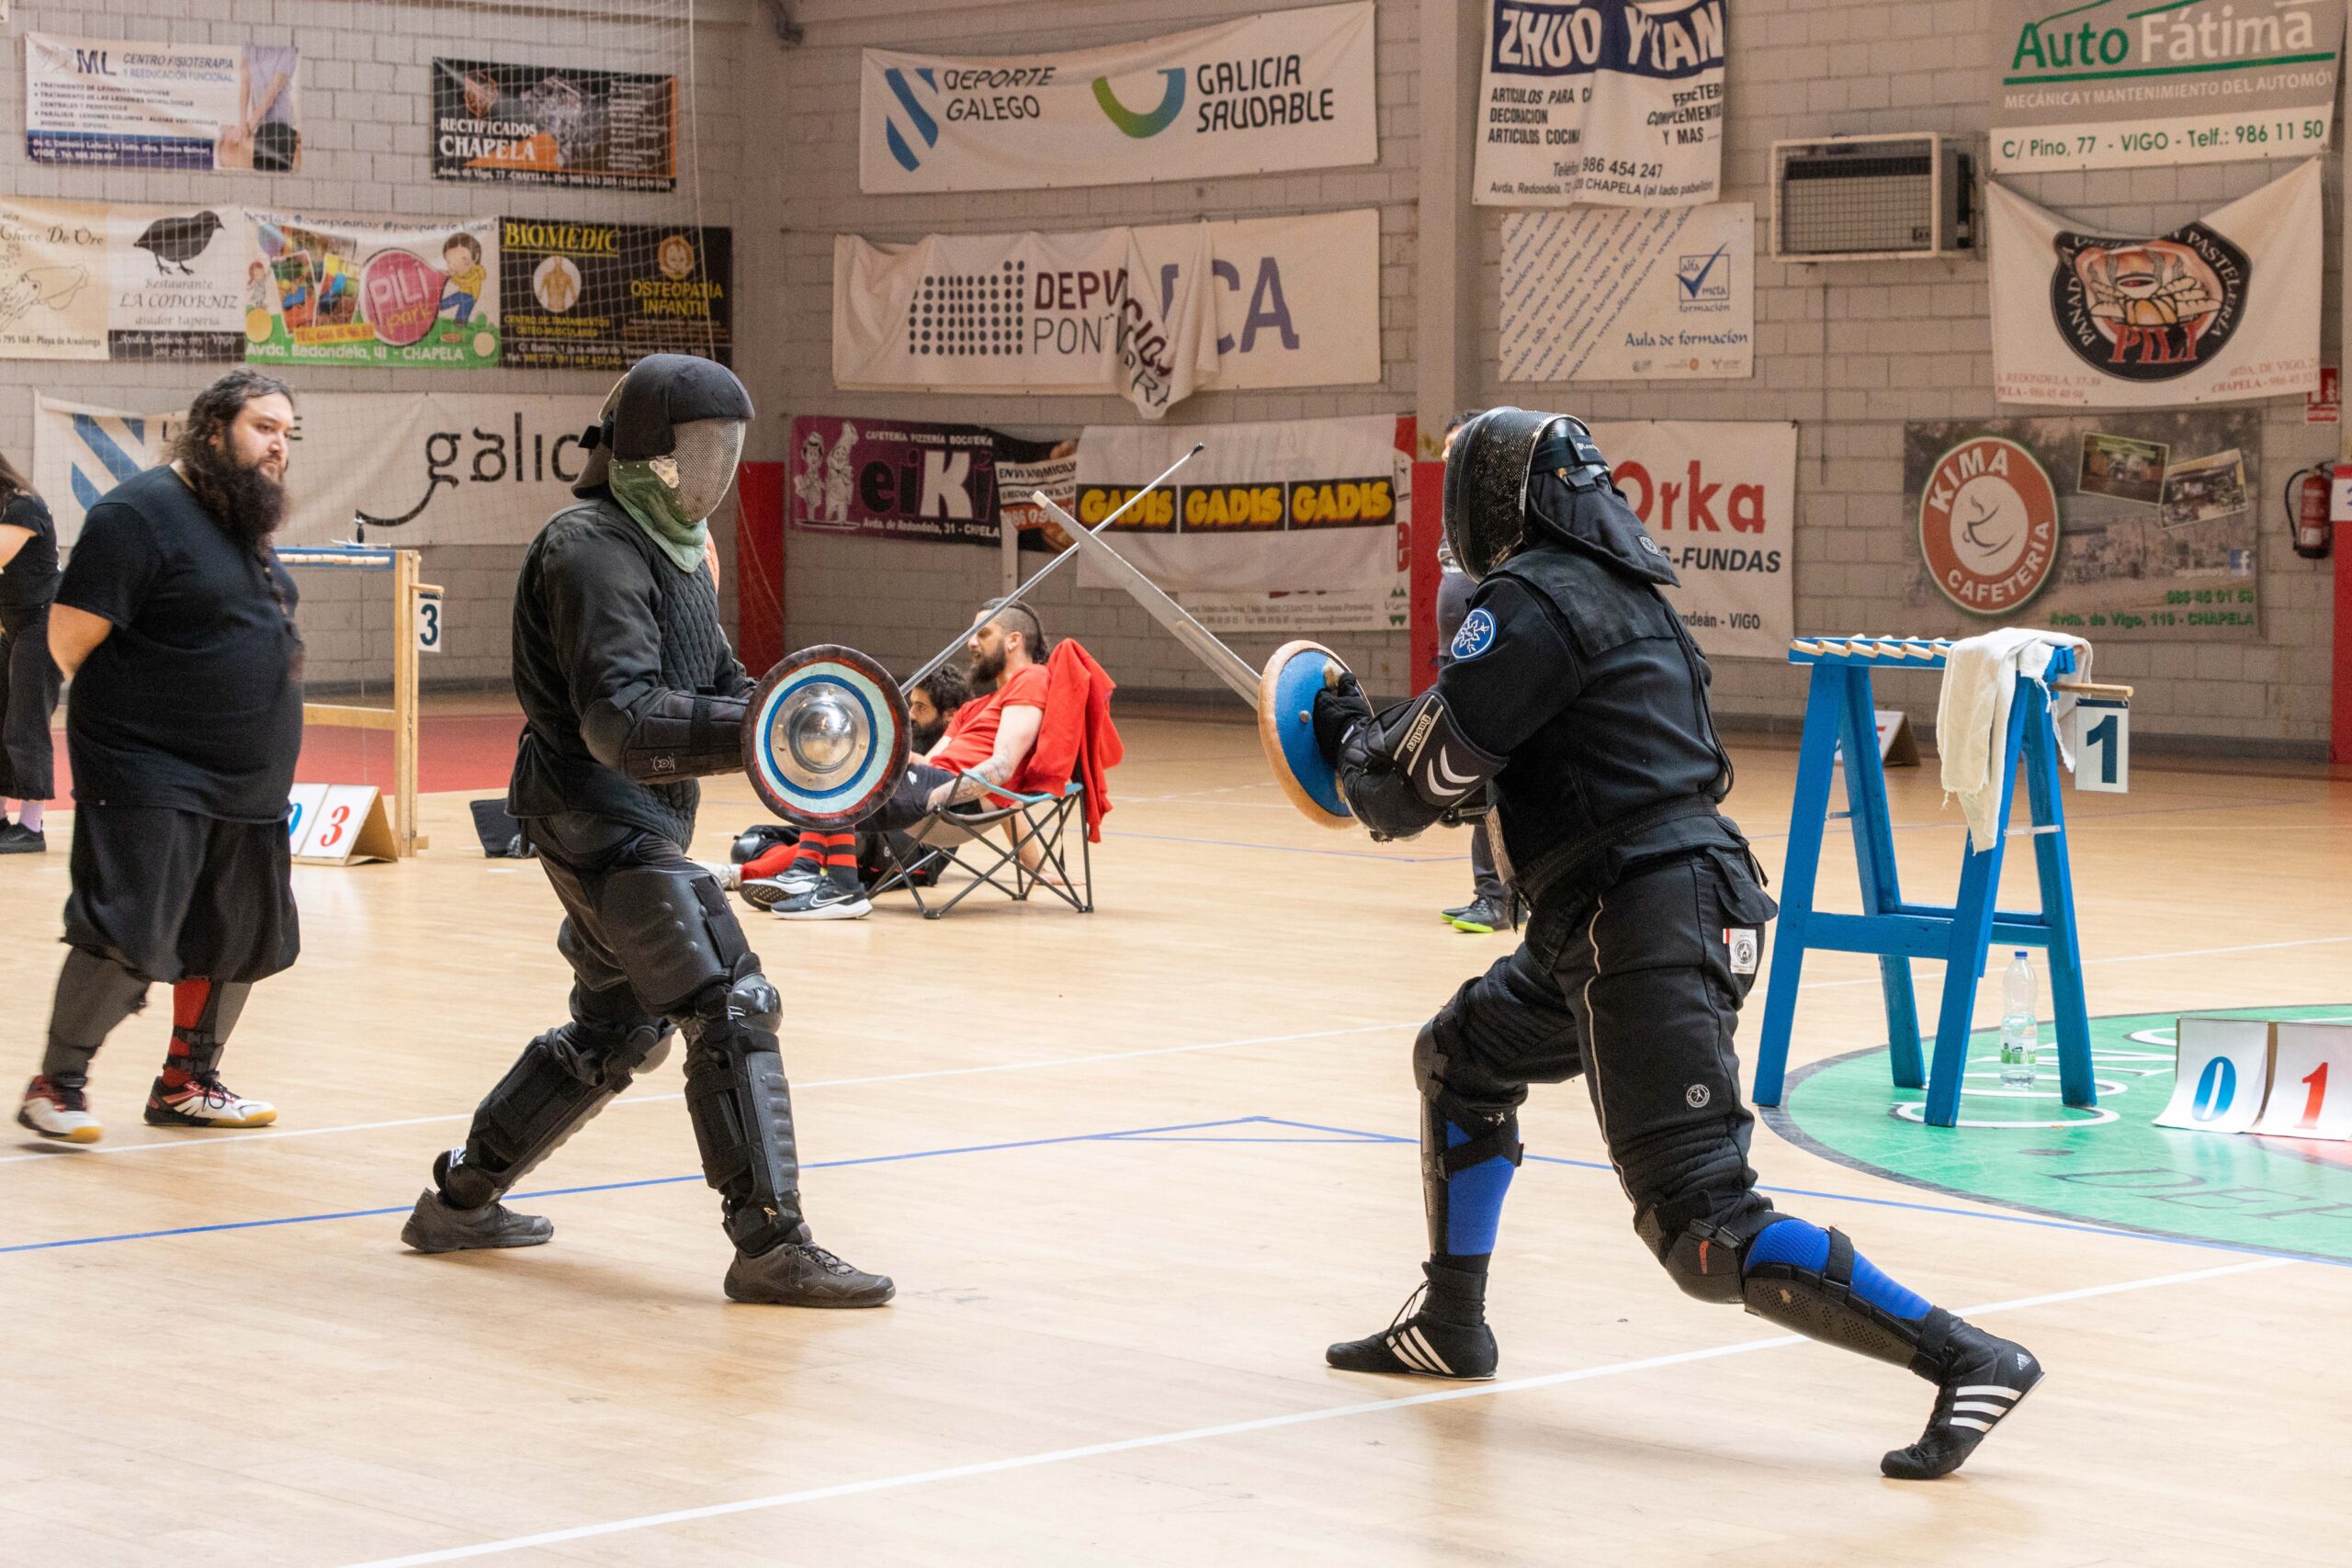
column 1576, row 697
column 629, row 691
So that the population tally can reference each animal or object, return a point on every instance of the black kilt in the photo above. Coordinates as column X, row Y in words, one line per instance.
column 28, row 687
column 174, row 896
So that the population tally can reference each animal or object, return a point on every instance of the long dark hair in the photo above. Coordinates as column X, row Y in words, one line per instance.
column 240, row 499
column 216, row 409
column 13, row 482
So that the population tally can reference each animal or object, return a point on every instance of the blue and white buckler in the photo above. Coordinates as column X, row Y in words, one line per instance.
column 1287, row 729
column 826, row 737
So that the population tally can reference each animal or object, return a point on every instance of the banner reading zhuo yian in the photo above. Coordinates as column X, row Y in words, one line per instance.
column 324, row 291
column 1282, row 90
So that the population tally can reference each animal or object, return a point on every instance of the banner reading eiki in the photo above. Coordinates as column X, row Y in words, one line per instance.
column 1611, row 103
column 325, row 291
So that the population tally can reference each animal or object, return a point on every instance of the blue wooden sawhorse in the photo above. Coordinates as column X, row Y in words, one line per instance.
column 1839, row 715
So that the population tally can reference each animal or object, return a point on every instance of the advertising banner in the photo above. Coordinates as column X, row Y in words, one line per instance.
column 1025, row 468
column 1283, row 90
column 180, row 278
column 80, row 452
column 548, row 124
column 52, row 280
column 892, row 479
column 1610, row 102
column 2222, row 309
column 1148, row 313
column 2117, row 83
column 2143, row 525
column 333, row 292
column 1721, row 500
column 602, row 295
column 1294, row 505
column 1625, row 294
column 97, row 101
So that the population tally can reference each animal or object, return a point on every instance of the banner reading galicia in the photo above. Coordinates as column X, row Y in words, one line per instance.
column 1286, row 90
column 1602, row 294
column 324, row 291
column 1722, row 499
column 2224, row 308
column 162, row 106
column 1608, row 103
column 2120, row 83
column 889, row 478
column 602, row 295
column 548, row 124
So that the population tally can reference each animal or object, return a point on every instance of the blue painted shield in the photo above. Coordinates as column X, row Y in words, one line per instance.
column 826, row 737
column 1287, row 729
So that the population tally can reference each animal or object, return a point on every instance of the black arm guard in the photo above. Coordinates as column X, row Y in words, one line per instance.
column 1411, row 766
column 677, row 735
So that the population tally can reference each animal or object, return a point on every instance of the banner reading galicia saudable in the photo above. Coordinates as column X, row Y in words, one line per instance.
column 1284, row 90
column 548, row 124
column 603, row 295
column 2119, row 83
column 1610, row 103
column 2224, row 308
column 325, row 291
column 1722, row 499
column 97, row 101
column 892, row 479
column 1625, row 294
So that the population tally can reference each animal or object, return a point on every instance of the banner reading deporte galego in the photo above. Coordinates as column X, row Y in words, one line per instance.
column 1610, row 103
column 1285, row 90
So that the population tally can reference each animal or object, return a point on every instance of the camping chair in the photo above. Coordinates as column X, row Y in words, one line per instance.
column 967, row 839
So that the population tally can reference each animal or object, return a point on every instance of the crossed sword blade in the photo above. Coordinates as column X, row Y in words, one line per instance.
column 1224, row 664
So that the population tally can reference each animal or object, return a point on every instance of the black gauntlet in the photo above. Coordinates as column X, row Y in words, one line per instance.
column 678, row 735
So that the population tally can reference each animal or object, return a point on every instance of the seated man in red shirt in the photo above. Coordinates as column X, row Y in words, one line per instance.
column 985, row 744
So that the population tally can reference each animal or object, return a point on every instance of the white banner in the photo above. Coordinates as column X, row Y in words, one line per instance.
column 162, row 105
column 2225, row 307
column 1720, row 498
column 411, row 467
column 1298, row 506
column 52, row 280
column 1150, row 314
column 179, row 277
column 1620, row 294
column 1610, row 102
column 1285, row 90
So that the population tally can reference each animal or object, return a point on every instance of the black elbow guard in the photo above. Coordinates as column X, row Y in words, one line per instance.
column 1425, row 744
column 678, row 735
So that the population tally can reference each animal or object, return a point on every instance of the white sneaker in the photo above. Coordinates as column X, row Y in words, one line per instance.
column 730, row 876
column 205, row 1101
column 826, row 900
column 59, row 1110
column 767, row 892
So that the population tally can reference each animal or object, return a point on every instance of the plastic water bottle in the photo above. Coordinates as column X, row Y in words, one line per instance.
column 2020, row 1036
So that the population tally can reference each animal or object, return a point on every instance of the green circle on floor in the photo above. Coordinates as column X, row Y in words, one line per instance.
column 2108, row 1166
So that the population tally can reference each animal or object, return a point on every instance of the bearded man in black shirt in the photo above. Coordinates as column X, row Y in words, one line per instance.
column 629, row 691
column 175, row 622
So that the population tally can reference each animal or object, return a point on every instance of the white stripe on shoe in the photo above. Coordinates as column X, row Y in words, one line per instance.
column 1969, row 1421
column 1421, row 1343
column 1404, row 1351
column 1975, row 1388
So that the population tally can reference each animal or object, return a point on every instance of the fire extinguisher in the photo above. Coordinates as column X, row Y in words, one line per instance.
column 2307, row 492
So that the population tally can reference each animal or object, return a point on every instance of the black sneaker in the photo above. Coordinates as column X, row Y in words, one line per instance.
column 1983, row 1380
column 1418, row 1342
column 1484, row 918
column 768, row 892
column 1450, row 916
column 437, row 1225
column 801, row 1273
column 15, row 839
column 826, row 900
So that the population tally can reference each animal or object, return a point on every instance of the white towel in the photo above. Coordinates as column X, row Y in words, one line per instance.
column 1972, row 714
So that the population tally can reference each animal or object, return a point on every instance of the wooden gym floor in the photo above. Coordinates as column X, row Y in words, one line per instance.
column 1131, row 1172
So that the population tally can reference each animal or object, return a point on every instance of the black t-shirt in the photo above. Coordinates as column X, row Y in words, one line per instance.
column 30, row 579
column 192, row 702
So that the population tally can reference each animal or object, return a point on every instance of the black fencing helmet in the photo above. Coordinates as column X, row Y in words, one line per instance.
column 641, row 415
column 1487, row 512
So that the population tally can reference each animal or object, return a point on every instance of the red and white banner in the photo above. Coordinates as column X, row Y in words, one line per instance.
column 1721, row 499
column 2222, row 309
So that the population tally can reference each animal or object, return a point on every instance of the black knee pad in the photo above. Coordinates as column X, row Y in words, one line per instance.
column 562, row 1080
column 1707, row 1262
column 1820, row 1303
column 673, row 931
column 741, row 1110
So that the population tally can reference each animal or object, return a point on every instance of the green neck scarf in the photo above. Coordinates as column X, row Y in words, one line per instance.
column 649, row 500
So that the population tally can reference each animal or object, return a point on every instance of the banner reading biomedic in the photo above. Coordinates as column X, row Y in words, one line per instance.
column 93, row 280
column 327, row 291
column 2141, row 525
column 602, row 295
column 2223, row 309
column 2120, row 83
column 1722, row 499
column 548, row 124
column 1601, row 294
column 1285, row 90
column 1261, row 302
column 1614, row 103
column 162, row 106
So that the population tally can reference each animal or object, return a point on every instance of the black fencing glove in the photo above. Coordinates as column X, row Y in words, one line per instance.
column 1338, row 709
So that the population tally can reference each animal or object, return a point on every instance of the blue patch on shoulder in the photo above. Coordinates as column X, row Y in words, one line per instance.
column 1476, row 636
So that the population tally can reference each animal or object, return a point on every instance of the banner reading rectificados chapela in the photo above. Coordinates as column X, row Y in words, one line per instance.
column 554, row 126
column 328, row 291
column 602, row 295
column 1614, row 103
column 2225, row 307
column 2119, row 83
column 1285, row 90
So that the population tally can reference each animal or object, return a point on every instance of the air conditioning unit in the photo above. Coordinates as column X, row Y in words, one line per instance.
column 1871, row 198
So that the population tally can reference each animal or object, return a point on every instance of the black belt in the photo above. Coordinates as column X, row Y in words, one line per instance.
column 1580, row 861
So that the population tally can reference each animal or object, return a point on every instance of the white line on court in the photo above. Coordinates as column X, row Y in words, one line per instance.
column 1236, row 1428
